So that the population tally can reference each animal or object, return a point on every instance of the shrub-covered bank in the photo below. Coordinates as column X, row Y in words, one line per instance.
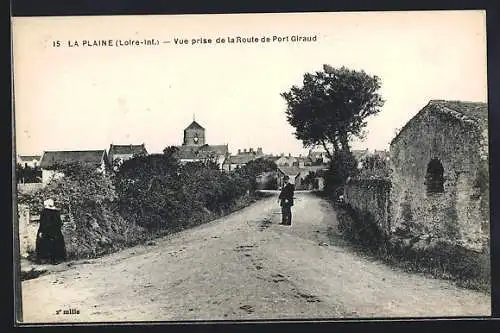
column 439, row 259
column 146, row 197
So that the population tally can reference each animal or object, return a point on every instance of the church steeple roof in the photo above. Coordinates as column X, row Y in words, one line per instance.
column 194, row 125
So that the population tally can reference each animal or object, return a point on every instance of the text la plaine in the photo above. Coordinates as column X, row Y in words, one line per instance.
column 107, row 42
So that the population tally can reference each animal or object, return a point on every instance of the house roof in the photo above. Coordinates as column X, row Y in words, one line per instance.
column 194, row 125
column 304, row 159
column 286, row 159
column 290, row 170
column 471, row 112
column 219, row 149
column 126, row 149
column 84, row 156
column 358, row 154
column 240, row 159
column 29, row 158
column 194, row 152
column 316, row 154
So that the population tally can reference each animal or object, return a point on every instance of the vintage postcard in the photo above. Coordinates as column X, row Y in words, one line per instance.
column 251, row 167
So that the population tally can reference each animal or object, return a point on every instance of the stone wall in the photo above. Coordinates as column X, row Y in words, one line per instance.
column 460, row 214
column 370, row 196
column 28, row 227
column 29, row 187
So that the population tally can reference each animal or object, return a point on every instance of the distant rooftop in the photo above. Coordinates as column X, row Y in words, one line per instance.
column 84, row 156
column 127, row 149
column 29, row 158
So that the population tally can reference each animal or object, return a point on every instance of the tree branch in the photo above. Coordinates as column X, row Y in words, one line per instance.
column 326, row 149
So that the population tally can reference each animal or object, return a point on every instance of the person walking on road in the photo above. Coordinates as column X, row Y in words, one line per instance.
column 286, row 201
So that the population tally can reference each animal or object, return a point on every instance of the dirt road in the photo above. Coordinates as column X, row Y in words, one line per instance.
column 244, row 266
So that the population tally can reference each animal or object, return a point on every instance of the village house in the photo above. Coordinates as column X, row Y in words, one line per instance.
column 302, row 161
column 286, row 161
column 97, row 158
column 290, row 171
column 360, row 154
column 31, row 161
column 383, row 154
column 233, row 162
column 121, row 153
column 318, row 157
column 307, row 177
column 195, row 149
column 440, row 179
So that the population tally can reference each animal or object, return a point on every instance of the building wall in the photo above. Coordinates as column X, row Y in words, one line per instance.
column 460, row 215
column 370, row 197
column 190, row 134
column 27, row 231
column 123, row 157
column 31, row 164
column 29, row 187
column 48, row 175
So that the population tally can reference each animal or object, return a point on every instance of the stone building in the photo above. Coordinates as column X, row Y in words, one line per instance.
column 194, row 147
column 95, row 158
column 125, row 152
column 31, row 161
column 286, row 161
column 440, row 177
column 241, row 159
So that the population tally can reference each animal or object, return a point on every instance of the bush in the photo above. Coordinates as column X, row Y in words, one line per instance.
column 28, row 174
column 87, row 200
column 158, row 193
column 253, row 169
column 342, row 166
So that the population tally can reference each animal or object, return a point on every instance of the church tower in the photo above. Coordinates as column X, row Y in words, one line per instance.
column 194, row 135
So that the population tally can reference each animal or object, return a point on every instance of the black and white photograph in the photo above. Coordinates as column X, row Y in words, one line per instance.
column 251, row 167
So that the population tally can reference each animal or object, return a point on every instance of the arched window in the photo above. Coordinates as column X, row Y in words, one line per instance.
column 434, row 178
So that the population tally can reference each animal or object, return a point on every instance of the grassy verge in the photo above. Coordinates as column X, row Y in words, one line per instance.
column 438, row 259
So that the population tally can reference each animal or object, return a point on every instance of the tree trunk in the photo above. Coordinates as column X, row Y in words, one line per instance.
column 345, row 142
column 327, row 150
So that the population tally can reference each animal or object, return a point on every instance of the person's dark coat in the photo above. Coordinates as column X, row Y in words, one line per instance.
column 286, row 195
column 50, row 244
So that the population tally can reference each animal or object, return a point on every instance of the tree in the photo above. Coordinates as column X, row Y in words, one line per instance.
column 254, row 168
column 342, row 166
column 28, row 174
column 19, row 173
column 171, row 150
column 332, row 106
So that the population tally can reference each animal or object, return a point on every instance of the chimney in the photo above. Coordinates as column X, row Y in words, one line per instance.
column 245, row 150
column 259, row 150
column 239, row 151
column 289, row 154
column 251, row 150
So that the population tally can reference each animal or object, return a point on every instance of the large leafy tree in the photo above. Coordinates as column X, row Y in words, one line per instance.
column 332, row 106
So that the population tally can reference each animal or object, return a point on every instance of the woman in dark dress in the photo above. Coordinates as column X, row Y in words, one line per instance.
column 50, row 246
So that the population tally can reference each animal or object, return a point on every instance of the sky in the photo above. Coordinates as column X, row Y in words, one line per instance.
column 78, row 98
